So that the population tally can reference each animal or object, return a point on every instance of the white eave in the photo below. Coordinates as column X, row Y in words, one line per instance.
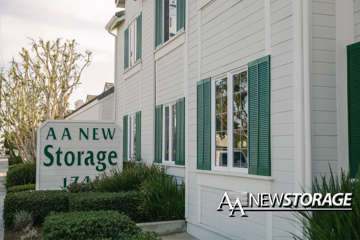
column 114, row 22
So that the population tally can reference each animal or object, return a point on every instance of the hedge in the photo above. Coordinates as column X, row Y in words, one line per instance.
column 125, row 202
column 89, row 225
column 21, row 174
column 14, row 160
column 38, row 203
column 21, row 188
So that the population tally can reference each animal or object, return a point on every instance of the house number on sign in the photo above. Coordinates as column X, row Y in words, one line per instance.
column 75, row 179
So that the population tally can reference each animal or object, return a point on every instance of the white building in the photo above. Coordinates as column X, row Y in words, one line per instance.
column 281, row 70
column 99, row 107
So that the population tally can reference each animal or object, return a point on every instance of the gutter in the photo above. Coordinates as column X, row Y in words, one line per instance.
column 114, row 22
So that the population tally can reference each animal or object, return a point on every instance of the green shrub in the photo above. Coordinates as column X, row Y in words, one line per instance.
column 89, row 225
column 38, row 203
column 21, row 188
column 163, row 199
column 21, row 174
column 125, row 202
column 333, row 224
column 80, row 187
column 14, row 160
column 130, row 179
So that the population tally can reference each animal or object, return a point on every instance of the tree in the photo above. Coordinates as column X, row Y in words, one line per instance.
column 37, row 88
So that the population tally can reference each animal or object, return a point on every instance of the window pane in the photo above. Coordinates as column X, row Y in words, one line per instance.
column 173, row 132
column 221, row 137
column 172, row 18
column 130, row 138
column 167, row 119
column 134, row 138
column 221, row 148
column 240, row 120
column 132, row 43
column 169, row 19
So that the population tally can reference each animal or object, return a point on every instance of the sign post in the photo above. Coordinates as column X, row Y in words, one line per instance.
column 75, row 151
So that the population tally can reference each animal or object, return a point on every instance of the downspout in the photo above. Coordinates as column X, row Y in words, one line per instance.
column 298, row 89
column 307, row 59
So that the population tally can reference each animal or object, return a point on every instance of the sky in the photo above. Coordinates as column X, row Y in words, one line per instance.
column 82, row 20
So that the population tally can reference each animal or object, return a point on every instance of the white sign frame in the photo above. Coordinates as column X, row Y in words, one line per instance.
column 68, row 124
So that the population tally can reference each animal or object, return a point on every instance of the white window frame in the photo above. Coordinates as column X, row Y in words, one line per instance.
column 131, row 150
column 132, row 44
column 134, row 61
column 229, row 76
column 163, row 24
column 170, row 161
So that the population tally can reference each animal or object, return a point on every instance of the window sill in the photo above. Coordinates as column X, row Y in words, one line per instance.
column 170, row 45
column 130, row 71
column 169, row 165
column 234, row 174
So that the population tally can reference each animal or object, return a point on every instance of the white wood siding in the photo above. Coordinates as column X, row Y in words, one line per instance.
column 357, row 20
column 323, row 87
column 135, row 90
column 224, row 35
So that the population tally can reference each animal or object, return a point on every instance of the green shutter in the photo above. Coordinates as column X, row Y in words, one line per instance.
column 180, row 15
column 158, row 133
column 126, row 48
column 138, row 136
column 180, row 132
column 204, row 124
column 353, row 85
column 139, row 37
column 158, row 22
column 125, row 138
column 259, row 117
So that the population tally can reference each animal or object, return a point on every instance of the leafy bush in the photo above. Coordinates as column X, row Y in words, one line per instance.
column 15, row 160
column 163, row 199
column 130, row 179
column 38, row 203
column 21, row 188
column 21, row 174
column 333, row 224
column 125, row 202
column 89, row 225
column 22, row 219
column 80, row 187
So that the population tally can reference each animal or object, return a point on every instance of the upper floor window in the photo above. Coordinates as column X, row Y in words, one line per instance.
column 133, row 42
column 170, row 19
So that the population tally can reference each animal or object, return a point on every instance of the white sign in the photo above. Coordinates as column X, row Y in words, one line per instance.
column 75, row 151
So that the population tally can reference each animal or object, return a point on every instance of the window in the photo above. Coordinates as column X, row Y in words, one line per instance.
column 132, row 137
column 169, row 131
column 170, row 19
column 231, row 121
column 133, row 42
